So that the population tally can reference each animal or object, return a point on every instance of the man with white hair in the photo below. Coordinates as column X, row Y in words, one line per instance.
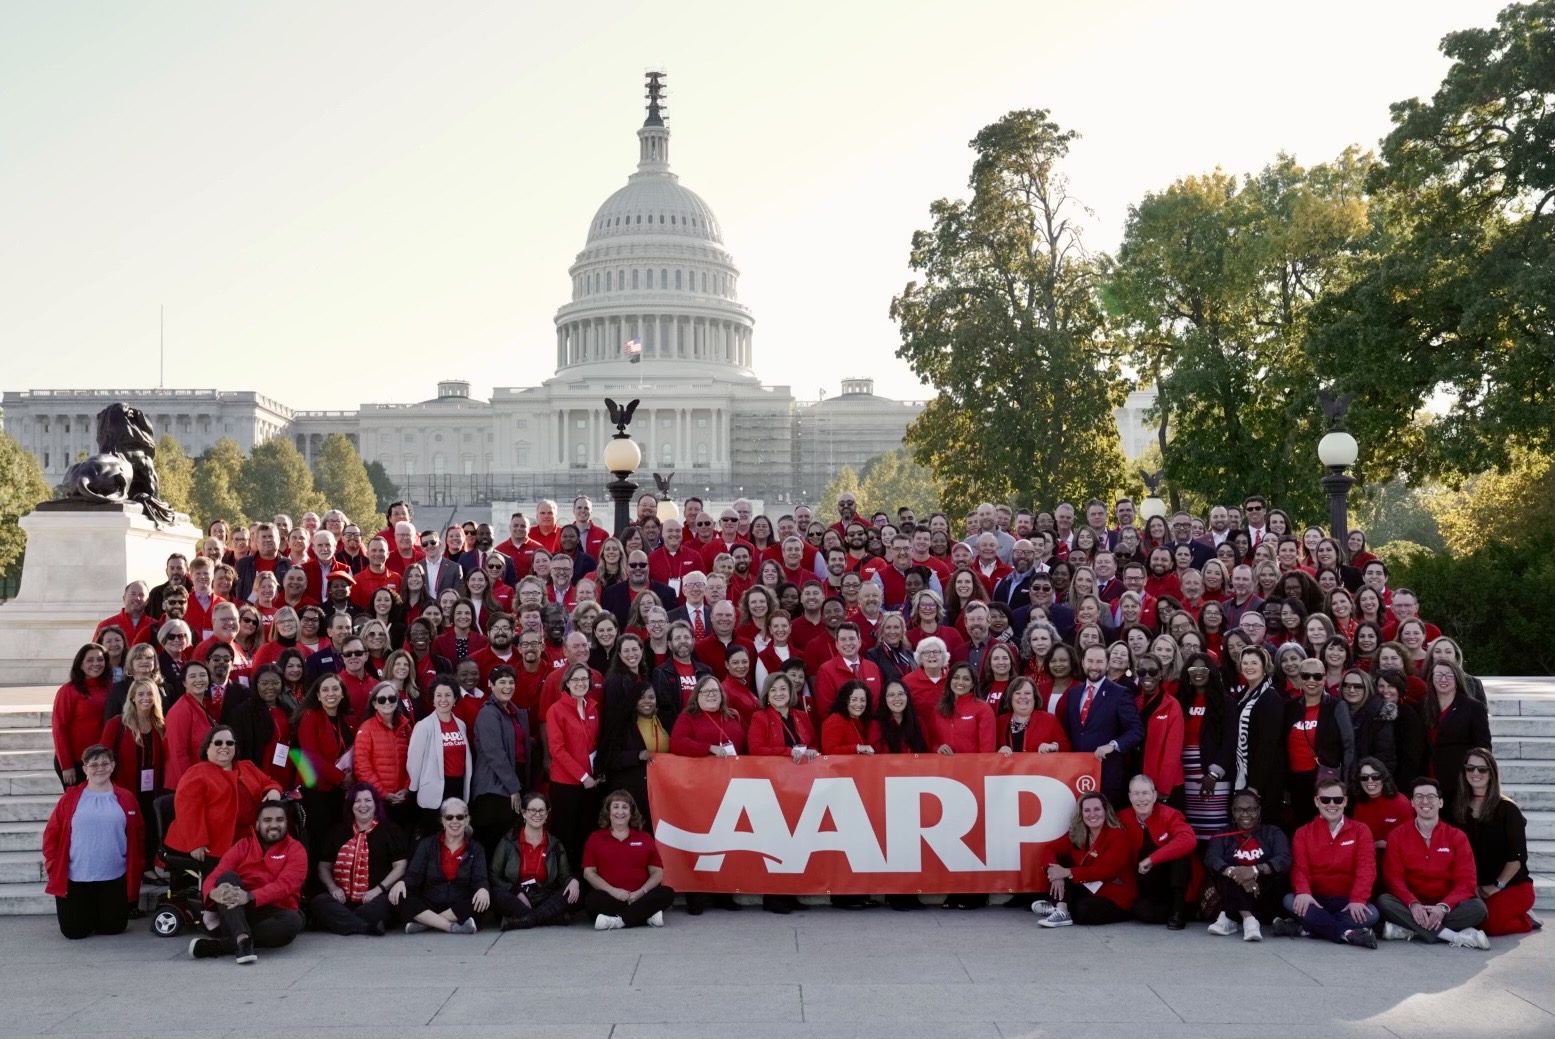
column 673, row 561
column 988, row 522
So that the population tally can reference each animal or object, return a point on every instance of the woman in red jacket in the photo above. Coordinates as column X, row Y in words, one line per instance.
column 1098, row 851
column 94, row 889
column 77, row 718
column 324, row 737
column 138, row 739
column 779, row 729
column 964, row 723
column 378, row 753
column 572, row 736
column 848, row 728
column 188, row 720
column 217, row 800
column 708, row 726
column 1024, row 727
column 1161, row 757
column 737, row 686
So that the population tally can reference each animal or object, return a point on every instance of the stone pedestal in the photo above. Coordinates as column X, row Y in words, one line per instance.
column 78, row 561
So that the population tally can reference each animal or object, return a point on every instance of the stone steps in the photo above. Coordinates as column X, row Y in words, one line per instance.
column 29, row 738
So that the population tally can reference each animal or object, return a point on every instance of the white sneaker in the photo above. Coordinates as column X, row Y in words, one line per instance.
column 657, row 919
column 1057, row 918
column 1251, row 930
column 1472, row 938
column 1043, row 908
column 608, row 923
column 1392, row 932
column 1223, row 925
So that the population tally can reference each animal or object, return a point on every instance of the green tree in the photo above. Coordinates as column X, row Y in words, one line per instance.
column 340, row 476
column 275, row 479
column 845, row 481
column 175, row 474
column 889, row 481
column 384, row 489
column 1214, row 284
column 214, row 494
column 1393, row 511
column 1007, row 326
column 21, row 488
column 1453, row 300
column 1516, row 507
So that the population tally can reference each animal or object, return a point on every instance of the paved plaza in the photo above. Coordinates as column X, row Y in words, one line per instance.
column 825, row 973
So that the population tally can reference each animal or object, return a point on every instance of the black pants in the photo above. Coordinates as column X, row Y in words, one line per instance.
column 80, row 774
column 491, row 818
column 1086, row 908
column 430, row 820
column 349, row 917
column 324, row 808
column 1163, row 891
column 1300, row 787
column 519, row 915
column 414, row 904
column 93, row 907
column 634, row 914
column 574, row 815
column 1264, row 906
column 270, row 927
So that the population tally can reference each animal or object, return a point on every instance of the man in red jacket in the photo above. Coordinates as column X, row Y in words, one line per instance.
column 134, row 620
column 847, row 665
column 1429, row 876
column 1334, row 868
column 1166, row 845
column 254, row 890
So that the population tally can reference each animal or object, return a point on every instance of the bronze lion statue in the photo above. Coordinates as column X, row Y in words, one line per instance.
column 124, row 469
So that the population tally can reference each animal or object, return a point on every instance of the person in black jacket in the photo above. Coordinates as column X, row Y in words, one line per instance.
column 1258, row 729
column 1371, row 718
column 1209, row 762
column 532, row 881
column 426, row 898
column 355, row 899
column 1251, row 869
column 892, row 653
column 1319, row 741
column 1457, row 723
column 1498, row 834
column 623, row 752
column 1409, row 735
column 673, row 679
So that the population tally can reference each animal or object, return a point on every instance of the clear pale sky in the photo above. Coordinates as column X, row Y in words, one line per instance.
column 344, row 203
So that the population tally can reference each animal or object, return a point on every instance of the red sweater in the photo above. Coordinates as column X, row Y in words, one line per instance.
column 765, row 737
column 1112, row 859
column 1434, row 872
column 843, row 735
column 1170, row 832
column 1333, row 865
column 77, row 720
column 970, row 729
column 56, row 841
column 695, row 734
column 272, row 876
column 1163, row 743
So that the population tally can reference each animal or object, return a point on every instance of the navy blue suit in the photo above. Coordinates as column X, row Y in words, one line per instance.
column 1112, row 717
column 618, row 598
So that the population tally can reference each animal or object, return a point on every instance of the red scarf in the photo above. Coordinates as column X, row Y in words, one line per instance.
column 350, row 870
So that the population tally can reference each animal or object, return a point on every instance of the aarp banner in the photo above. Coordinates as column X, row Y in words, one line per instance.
column 882, row 824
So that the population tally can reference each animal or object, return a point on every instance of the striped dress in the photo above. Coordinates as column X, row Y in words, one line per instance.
column 1207, row 815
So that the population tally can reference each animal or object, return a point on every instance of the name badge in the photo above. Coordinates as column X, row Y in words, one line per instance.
column 148, row 780
column 729, row 751
column 278, row 759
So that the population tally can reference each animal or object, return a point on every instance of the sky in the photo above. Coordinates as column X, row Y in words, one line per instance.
column 343, row 203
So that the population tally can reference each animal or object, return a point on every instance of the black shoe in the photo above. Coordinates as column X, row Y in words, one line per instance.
column 1175, row 922
column 775, row 904
column 379, row 929
column 1361, row 937
column 246, row 951
column 509, row 923
column 726, row 903
column 696, row 905
column 204, row 948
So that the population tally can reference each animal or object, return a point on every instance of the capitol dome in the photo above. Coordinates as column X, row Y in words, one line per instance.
column 654, row 273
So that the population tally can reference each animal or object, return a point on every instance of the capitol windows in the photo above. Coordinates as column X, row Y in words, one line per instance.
column 410, row 465
column 521, row 457
column 582, row 423
column 467, row 464
column 702, row 456
column 664, row 279
column 634, row 279
column 520, row 423
column 704, row 281
column 439, row 464
column 667, row 452
column 581, row 456
column 607, row 281
column 677, row 279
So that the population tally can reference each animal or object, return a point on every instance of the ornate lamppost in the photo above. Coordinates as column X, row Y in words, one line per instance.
column 1338, row 452
column 622, row 457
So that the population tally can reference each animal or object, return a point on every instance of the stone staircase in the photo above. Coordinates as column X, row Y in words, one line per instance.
column 1523, row 728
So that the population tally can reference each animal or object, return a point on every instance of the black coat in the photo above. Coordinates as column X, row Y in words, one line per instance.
column 425, row 875
column 1374, row 737
column 666, row 686
column 1462, row 727
column 1265, row 763
column 505, row 865
column 890, row 671
column 1334, row 742
column 1409, row 743
column 1217, row 737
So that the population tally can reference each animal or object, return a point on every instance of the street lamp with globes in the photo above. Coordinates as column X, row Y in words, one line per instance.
column 622, row 457
column 1338, row 452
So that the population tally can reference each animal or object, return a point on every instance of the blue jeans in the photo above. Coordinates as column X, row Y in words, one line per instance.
column 1329, row 918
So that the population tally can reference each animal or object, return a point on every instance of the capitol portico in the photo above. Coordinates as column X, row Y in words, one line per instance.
column 653, row 281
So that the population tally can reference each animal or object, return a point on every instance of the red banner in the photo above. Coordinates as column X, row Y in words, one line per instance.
column 871, row 825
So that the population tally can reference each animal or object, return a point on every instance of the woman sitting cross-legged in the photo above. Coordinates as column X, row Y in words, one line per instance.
column 361, row 859
column 1093, row 880
column 446, row 884
column 622, row 868
column 532, row 879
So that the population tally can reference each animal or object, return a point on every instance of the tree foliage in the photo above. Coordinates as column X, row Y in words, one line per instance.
column 175, row 474
column 1453, row 299
column 384, row 489
column 275, row 479
column 845, row 482
column 1007, row 326
column 1516, row 507
column 214, row 493
column 340, row 476
column 22, row 487
column 886, row 483
column 1215, row 283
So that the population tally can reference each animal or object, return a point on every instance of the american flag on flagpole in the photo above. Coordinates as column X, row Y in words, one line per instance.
column 632, row 350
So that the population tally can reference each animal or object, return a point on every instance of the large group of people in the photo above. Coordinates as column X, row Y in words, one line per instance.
column 454, row 730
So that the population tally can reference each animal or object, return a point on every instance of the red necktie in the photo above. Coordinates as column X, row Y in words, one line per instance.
column 1085, row 704
column 854, row 669
column 696, row 622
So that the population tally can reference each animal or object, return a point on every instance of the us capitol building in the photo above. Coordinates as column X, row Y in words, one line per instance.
column 653, row 272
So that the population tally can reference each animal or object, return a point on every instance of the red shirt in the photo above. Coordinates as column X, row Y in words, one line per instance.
column 540, row 539
column 970, row 729
column 1169, row 832
column 696, row 733
column 669, row 568
column 711, row 652
column 1300, row 742
column 368, row 583
column 453, row 748
column 925, row 693
column 449, row 858
column 134, row 632
column 1383, row 814
column 1334, row 864
column 621, row 862
column 841, row 734
column 397, row 562
column 1432, row 872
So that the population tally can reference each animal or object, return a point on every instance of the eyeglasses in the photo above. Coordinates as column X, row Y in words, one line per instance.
column 354, row 653
column 224, row 743
column 1324, row 799
column 1478, row 770
column 638, row 566
column 537, row 811
column 455, row 818
column 1426, row 798
column 386, row 699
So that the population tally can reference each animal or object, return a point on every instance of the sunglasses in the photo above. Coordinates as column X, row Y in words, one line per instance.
column 1478, row 770
column 1354, row 685
column 1331, row 800
column 704, row 523
column 638, row 566
column 455, row 818
column 1147, row 672
column 224, row 743
column 354, row 653
column 1310, row 675
column 386, row 700
column 1370, row 777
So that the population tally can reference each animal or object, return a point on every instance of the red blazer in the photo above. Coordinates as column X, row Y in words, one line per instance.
column 187, row 722
column 842, row 735
column 834, row 673
column 321, row 748
column 765, row 738
column 1164, row 728
column 378, row 754
column 56, row 841
column 1173, row 837
column 273, row 876
column 968, row 730
column 1113, row 860
column 444, row 645
column 1342, row 864
column 1441, row 872
column 1043, row 728
column 571, row 740
column 77, row 721
column 742, row 699
column 213, row 806
column 925, row 693
column 126, row 770
column 695, row 734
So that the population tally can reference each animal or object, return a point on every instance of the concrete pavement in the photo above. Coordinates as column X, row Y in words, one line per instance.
column 825, row 973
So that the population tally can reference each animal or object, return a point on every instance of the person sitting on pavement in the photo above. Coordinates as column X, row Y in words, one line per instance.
column 445, row 886
column 1331, row 878
column 532, row 881
column 362, row 857
column 1430, row 891
column 254, row 891
column 622, row 869
column 1094, row 880
column 1251, row 870
column 1165, row 846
